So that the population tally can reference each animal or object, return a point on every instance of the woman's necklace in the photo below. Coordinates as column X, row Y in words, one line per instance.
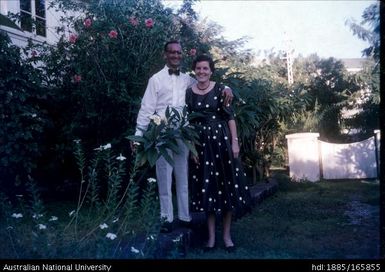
column 203, row 89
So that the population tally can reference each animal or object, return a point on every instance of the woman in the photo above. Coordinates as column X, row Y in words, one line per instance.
column 216, row 176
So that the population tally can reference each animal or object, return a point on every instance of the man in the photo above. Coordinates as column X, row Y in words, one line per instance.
column 168, row 88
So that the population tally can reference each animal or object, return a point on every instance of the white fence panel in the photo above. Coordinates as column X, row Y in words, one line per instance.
column 349, row 161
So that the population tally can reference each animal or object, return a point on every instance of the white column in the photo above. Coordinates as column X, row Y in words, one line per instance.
column 304, row 162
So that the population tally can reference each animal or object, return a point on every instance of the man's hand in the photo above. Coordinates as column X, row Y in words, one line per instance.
column 227, row 93
column 133, row 146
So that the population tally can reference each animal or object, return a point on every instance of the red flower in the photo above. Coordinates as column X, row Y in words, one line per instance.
column 113, row 34
column 193, row 52
column 73, row 38
column 87, row 22
column 134, row 21
column 149, row 22
column 77, row 78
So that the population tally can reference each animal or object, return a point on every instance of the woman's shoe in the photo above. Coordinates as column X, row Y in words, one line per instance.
column 209, row 249
column 230, row 249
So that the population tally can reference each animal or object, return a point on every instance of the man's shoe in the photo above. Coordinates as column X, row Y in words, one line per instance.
column 166, row 227
column 185, row 224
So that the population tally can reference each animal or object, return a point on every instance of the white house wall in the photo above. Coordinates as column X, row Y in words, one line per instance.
column 20, row 38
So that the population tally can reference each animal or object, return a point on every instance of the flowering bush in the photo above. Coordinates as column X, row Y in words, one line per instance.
column 162, row 134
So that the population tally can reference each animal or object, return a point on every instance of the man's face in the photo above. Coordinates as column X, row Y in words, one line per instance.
column 173, row 55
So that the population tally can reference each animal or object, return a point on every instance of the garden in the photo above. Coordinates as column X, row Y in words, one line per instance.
column 72, row 187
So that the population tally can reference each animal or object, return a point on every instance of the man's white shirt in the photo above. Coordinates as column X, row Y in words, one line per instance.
column 162, row 90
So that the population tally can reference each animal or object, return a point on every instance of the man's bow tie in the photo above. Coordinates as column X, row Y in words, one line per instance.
column 175, row 72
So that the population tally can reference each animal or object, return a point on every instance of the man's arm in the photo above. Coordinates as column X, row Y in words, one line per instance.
column 228, row 95
column 147, row 108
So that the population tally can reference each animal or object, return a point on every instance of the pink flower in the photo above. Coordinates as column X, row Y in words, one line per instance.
column 87, row 22
column 113, row 34
column 33, row 53
column 193, row 52
column 149, row 22
column 73, row 38
column 77, row 78
column 134, row 21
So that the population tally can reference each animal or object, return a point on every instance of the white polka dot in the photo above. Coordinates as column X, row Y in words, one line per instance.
column 246, row 187
column 204, row 127
column 219, row 192
column 219, row 125
column 209, row 128
column 225, row 201
column 194, row 177
column 210, row 199
column 216, row 173
column 219, row 144
column 236, row 169
column 203, row 190
column 214, row 137
column 207, row 105
column 207, row 163
column 215, row 98
column 214, row 117
column 229, row 162
column 204, row 144
column 219, row 210
column 226, row 138
column 221, row 100
column 194, row 203
column 240, row 198
column 236, row 185
column 216, row 131
column 202, row 209
column 199, row 103
column 206, row 180
column 236, row 174
column 217, row 156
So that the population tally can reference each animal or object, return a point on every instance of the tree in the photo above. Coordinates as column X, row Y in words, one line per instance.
column 369, row 30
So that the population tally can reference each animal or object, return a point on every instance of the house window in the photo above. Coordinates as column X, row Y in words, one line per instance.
column 32, row 16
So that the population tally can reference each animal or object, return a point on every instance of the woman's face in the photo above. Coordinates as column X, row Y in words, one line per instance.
column 202, row 71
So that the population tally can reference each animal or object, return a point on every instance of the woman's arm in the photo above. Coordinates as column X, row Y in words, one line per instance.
column 234, row 138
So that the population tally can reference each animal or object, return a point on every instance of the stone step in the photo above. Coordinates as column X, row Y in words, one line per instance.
column 181, row 239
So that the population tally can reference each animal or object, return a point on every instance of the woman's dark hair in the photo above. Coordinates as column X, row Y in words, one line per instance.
column 204, row 58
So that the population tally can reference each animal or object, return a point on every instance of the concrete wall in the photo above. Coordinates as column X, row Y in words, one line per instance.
column 303, row 153
column 311, row 159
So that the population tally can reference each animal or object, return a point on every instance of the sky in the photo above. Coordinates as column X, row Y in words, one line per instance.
column 308, row 26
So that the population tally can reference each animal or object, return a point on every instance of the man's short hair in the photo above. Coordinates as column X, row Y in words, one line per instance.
column 170, row 42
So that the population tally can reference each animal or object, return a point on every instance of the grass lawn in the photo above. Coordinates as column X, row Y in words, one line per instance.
column 323, row 220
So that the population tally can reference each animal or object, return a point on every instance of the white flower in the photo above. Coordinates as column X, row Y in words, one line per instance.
column 71, row 212
column 17, row 215
column 41, row 226
column 100, row 148
column 34, row 115
column 134, row 250
column 116, row 220
column 121, row 157
column 111, row 236
column 37, row 216
column 156, row 118
column 151, row 180
column 107, row 146
column 53, row 218
column 103, row 226
column 177, row 239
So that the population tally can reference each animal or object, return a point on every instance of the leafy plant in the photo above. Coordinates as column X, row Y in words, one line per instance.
column 163, row 134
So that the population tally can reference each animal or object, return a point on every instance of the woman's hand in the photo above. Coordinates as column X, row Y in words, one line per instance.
column 195, row 159
column 235, row 148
